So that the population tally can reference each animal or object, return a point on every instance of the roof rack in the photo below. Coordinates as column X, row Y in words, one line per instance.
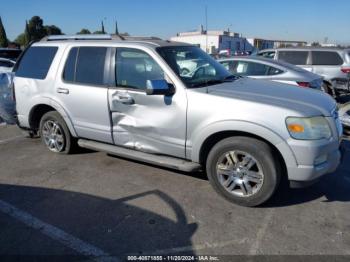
column 97, row 37
column 76, row 37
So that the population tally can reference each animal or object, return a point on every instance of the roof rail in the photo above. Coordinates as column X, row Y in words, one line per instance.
column 77, row 37
column 98, row 37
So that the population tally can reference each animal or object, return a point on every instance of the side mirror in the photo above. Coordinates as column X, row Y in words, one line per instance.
column 159, row 87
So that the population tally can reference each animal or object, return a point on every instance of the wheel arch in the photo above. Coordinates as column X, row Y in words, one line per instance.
column 208, row 138
column 39, row 110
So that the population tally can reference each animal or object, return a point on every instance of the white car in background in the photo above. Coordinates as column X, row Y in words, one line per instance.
column 6, row 65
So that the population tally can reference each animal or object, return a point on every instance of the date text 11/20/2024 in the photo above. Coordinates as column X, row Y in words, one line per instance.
column 172, row 258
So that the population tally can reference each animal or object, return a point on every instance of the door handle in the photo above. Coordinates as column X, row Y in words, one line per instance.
column 63, row 91
column 123, row 98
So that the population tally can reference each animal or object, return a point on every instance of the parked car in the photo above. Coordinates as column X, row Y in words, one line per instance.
column 130, row 99
column 344, row 114
column 6, row 65
column 331, row 63
column 10, row 53
column 267, row 69
column 7, row 105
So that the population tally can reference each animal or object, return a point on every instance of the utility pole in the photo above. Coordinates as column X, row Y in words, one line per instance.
column 206, row 29
column 116, row 28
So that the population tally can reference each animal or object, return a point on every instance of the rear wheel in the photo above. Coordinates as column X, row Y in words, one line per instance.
column 243, row 170
column 55, row 133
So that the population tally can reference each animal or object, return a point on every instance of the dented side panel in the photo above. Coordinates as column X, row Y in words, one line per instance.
column 153, row 123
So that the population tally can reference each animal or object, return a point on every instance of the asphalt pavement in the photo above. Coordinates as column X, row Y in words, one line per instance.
column 94, row 205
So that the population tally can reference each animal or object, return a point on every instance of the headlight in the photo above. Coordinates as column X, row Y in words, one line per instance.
column 308, row 128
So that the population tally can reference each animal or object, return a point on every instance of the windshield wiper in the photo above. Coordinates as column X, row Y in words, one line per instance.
column 209, row 82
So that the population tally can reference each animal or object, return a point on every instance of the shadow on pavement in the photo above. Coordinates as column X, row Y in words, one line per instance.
column 118, row 227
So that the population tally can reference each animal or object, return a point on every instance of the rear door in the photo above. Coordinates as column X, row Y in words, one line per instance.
column 149, row 123
column 82, row 90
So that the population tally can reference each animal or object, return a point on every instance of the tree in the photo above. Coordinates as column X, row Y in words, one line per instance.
column 36, row 28
column 316, row 44
column 84, row 31
column 102, row 28
column 21, row 40
column 3, row 37
column 26, row 34
column 116, row 28
column 98, row 32
column 52, row 30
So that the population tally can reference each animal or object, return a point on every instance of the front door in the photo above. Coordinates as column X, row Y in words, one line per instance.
column 149, row 123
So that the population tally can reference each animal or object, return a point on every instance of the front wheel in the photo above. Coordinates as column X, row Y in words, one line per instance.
column 55, row 133
column 243, row 170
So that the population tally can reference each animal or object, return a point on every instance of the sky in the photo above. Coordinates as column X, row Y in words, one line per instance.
column 308, row 20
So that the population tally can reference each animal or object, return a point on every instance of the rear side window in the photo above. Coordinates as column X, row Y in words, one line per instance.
column 69, row 69
column 36, row 62
column 326, row 58
column 247, row 68
column 86, row 65
column 294, row 57
column 270, row 54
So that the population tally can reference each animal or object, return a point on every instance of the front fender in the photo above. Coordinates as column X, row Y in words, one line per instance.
column 240, row 126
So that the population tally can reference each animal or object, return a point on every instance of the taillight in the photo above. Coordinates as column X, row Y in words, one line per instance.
column 303, row 84
column 345, row 70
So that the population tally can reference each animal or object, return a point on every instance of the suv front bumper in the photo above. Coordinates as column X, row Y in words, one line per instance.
column 304, row 175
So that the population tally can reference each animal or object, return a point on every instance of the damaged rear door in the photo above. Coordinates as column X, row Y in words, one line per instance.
column 149, row 123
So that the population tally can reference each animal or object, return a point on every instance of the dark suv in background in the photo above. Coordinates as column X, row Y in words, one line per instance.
column 331, row 63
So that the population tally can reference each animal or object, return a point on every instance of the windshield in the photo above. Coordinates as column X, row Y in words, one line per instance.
column 194, row 66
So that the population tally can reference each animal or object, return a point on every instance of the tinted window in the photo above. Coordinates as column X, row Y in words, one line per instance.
column 267, row 54
column 245, row 68
column 274, row 71
column 90, row 65
column 69, row 69
column 326, row 58
column 134, row 67
column 230, row 66
column 36, row 62
column 10, row 53
column 294, row 57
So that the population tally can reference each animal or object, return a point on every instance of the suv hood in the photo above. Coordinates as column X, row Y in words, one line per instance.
column 304, row 100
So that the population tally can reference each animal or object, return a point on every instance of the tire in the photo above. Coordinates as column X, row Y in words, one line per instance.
column 55, row 134
column 253, row 170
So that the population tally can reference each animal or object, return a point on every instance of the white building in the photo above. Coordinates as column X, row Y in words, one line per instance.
column 214, row 41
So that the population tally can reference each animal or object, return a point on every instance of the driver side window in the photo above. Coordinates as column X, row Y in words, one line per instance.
column 134, row 67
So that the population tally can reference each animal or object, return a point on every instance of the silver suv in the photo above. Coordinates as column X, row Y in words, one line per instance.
column 128, row 97
column 331, row 63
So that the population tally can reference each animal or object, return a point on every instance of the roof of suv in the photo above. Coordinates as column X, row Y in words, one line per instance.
column 307, row 48
column 108, row 39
